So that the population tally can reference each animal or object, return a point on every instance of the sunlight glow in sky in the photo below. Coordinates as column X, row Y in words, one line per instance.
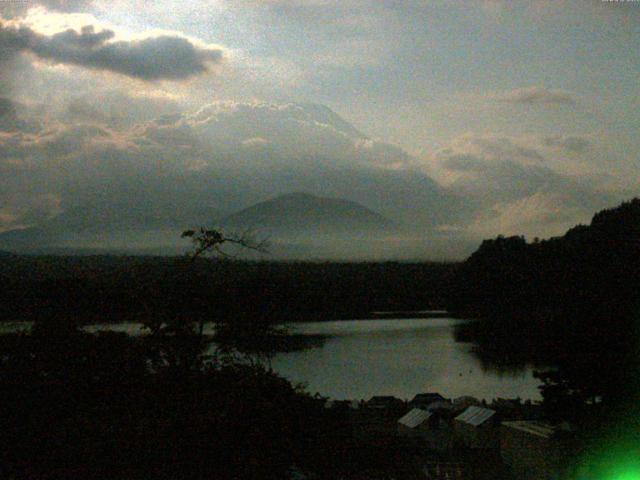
column 526, row 111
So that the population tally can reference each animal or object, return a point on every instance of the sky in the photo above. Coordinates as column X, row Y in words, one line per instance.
column 474, row 118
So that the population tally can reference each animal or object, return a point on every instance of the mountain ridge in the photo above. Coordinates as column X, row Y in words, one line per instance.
column 301, row 212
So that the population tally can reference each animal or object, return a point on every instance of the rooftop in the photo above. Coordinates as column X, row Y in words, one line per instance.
column 427, row 397
column 540, row 429
column 475, row 415
column 415, row 417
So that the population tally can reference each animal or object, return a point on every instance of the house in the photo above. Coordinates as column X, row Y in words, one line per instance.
column 342, row 404
column 385, row 402
column 445, row 471
column 515, row 409
column 460, row 404
column 423, row 400
column 477, row 428
column 530, row 449
column 428, row 426
column 441, row 406
column 414, row 422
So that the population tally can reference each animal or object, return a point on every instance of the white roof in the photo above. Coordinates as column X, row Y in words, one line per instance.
column 415, row 417
column 475, row 415
column 539, row 429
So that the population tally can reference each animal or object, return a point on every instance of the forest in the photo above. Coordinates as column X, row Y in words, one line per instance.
column 111, row 289
column 572, row 303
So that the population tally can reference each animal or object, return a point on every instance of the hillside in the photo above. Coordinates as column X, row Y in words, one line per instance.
column 140, row 200
column 94, row 228
column 302, row 213
column 571, row 301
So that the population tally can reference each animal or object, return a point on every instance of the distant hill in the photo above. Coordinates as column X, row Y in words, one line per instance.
column 110, row 228
column 302, row 213
column 570, row 301
column 592, row 262
column 25, row 239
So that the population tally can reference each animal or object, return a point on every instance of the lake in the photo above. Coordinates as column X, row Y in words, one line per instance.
column 361, row 358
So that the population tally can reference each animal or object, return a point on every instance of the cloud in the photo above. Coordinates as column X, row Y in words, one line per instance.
column 537, row 96
column 162, row 57
column 573, row 144
column 475, row 152
column 11, row 121
column 66, row 5
column 224, row 156
column 541, row 214
column 17, row 8
column 522, row 185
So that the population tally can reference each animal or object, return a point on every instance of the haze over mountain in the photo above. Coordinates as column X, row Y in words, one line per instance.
column 141, row 196
column 302, row 214
column 120, row 123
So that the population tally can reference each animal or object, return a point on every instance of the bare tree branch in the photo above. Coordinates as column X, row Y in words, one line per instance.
column 211, row 241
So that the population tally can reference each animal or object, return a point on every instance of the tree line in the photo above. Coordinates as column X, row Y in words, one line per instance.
column 109, row 289
column 572, row 303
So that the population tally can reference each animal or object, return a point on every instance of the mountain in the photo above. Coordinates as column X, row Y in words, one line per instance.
column 197, row 167
column 590, row 265
column 135, row 228
column 25, row 239
column 302, row 214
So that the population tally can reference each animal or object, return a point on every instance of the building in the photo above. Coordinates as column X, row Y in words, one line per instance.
column 445, row 471
column 342, row 404
column 429, row 427
column 460, row 404
column 385, row 403
column 477, row 428
column 444, row 406
column 529, row 449
column 415, row 422
column 423, row 400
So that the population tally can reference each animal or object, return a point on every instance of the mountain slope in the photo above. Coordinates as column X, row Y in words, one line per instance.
column 195, row 167
column 302, row 213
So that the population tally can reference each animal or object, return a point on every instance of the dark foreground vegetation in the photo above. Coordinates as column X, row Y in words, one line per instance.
column 170, row 405
column 572, row 302
column 105, row 289
column 79, row 406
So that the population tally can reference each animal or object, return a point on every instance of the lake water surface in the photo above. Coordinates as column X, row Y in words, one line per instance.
column 362, row 358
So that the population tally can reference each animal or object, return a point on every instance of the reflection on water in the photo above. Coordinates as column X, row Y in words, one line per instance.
column 363, row 358
column 497, row 356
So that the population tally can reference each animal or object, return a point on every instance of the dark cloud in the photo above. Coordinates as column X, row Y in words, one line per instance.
column 513, row 192
column 193, row 160
column 162, row 57
column 116, row 109
column 464, row 163
column 7, row 108
column 504, row 147
column 81, row 111
column 571, row 143
column 66, row 5
column 10, row 120
column 537, row 96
